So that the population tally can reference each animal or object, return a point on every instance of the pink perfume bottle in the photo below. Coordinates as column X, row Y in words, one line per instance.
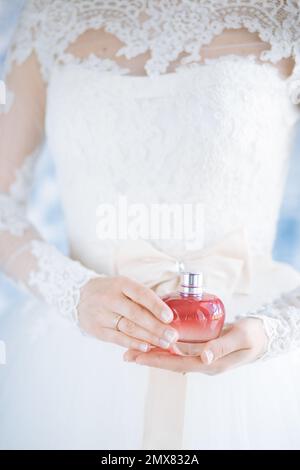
column 198, row 316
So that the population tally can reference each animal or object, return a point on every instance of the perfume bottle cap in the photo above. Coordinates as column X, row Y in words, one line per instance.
column 191, row 282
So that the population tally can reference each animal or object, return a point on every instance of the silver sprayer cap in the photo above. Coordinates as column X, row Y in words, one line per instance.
column 191, row 283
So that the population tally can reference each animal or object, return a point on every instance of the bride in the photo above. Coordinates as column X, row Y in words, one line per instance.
column 161, row 102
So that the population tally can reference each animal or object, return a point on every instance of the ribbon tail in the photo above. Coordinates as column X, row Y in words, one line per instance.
column 164, row 410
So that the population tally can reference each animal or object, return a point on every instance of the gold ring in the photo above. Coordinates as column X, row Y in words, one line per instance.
column 117, row 321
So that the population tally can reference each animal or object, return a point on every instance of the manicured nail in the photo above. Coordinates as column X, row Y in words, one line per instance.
column 143, row 347
column 208, row 356
column 171, row 335
column 126, row 359
column 164, row 344
column 167, row 315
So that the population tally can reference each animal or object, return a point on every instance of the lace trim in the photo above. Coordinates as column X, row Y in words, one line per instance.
column 21, row 187
column 58, row 279
column 281, row 320
column 171, row 27
column 96, row 63
column 12, row 216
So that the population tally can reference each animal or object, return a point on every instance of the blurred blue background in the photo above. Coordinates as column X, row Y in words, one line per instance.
column 46, row 211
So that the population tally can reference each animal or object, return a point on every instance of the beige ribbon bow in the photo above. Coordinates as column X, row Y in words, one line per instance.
column 225, row 265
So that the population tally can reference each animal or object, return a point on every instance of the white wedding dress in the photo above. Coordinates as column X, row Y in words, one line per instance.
column 215, row 131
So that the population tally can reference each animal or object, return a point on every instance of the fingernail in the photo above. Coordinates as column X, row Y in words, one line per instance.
column 164, row 344
column 143, row 347
column 171, row 335
column 208, row 356
column 126, row 359
column 167, row 315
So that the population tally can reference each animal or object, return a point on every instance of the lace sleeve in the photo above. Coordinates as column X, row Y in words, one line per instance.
column 24, row 256
column 281, row 320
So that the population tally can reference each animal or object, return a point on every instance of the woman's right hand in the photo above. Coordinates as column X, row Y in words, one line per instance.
column 145, row 316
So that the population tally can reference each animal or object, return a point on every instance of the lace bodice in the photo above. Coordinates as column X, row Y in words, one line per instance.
column 137, row 103
column 166, row 29
column 214, row 109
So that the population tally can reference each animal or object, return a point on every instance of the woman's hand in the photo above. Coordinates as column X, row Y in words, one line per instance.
column 240, row 343
column 104, row 300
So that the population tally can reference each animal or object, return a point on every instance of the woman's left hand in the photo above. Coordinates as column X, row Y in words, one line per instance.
column 240, row 343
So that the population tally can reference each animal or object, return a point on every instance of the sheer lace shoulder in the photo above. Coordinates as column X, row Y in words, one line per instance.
column 163, row 29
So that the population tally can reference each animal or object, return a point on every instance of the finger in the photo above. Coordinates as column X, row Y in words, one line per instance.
column 143, row 318
column 164, row 360
column 134, row 330
column 131, row 354
column 231, row 361
column 181, row 349
column 168, row 361
column 117, row 337
column 148, row 299
column 228, row 343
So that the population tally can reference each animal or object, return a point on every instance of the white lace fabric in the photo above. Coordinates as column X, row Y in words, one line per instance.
column 165, row 28
column 162, row 29
column 281, row 320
